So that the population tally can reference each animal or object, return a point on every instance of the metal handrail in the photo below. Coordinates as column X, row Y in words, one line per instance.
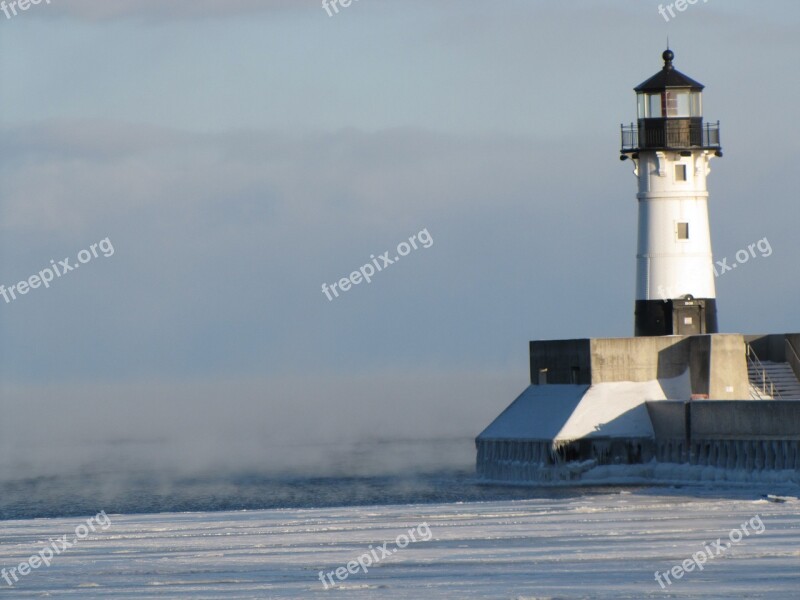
column 796, row 357
column 630, row 137
column 755, row 393
column 759, row 366
column 689, row 135
column 788, row 343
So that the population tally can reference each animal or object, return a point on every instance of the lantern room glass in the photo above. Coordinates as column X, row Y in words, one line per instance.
column 670, row 103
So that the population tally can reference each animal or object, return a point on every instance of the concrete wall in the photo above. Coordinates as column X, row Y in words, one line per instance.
column 668, row 419
column 566, row 361
column 716, row 363
column 726, row 420
column 768, row 347
column 728, row 368
column 793, row 354
column 746, row 419
column 638, row 358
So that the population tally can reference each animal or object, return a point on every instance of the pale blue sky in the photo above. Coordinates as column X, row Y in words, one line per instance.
column 239, row 154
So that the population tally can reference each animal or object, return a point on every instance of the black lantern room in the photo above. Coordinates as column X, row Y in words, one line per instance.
column 670, row 114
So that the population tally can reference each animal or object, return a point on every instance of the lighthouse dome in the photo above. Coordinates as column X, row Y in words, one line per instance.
column 668, row 77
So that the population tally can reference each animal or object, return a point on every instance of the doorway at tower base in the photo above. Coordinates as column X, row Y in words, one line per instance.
column 681, row 316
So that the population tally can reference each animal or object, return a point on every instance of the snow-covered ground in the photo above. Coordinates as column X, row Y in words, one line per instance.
column 605, row 545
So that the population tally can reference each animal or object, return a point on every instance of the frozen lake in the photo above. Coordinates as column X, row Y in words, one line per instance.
column 606, row 545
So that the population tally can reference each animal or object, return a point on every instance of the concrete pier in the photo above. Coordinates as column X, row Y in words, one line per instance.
column 687, row 400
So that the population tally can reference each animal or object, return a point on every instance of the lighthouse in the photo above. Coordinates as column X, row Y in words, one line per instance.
column 720, row 405
column 671, row 148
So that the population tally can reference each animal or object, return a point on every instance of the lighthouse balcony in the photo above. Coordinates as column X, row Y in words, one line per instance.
column 670, row 134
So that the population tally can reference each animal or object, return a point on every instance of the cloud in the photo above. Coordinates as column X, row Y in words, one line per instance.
column 65, row 175
column 228, row 237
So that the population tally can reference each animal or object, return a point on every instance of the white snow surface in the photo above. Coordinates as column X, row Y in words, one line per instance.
column 588, row 545
column 617, row 409
column 571, row 412
column 538, row 413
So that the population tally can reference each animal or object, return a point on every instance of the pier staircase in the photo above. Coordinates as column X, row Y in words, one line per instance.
column 771, row 380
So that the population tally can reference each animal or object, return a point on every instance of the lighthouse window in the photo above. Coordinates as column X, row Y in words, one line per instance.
column 696, row 104
column 683, row 231
column 682, row 104
column 670, row 104
column 677, row 103
column 653, row 106
column 680, row 172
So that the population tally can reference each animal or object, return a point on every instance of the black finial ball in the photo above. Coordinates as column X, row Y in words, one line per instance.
column 668, row 55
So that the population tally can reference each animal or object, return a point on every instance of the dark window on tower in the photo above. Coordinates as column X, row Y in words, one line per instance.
column 683, row 231
column 680, row 172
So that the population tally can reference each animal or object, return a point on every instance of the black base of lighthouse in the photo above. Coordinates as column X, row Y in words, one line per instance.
column 684, row 316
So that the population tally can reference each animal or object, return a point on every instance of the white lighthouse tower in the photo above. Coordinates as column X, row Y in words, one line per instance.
column 654, row 399
column 671, row 148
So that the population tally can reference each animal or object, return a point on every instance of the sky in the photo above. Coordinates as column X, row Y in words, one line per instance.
column 237, row 155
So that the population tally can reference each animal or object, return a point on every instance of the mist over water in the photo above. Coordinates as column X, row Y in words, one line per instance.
column 366, row 473
column 246, row 444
